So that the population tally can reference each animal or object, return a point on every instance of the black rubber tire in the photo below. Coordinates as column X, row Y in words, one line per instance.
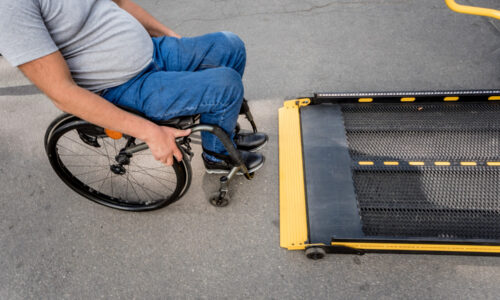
column 216, row 200
column 67, row 126
column 315, row 253
column 58, row 122
column 189, row 178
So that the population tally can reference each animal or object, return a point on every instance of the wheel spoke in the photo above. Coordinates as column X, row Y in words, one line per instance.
column 126, row 188
column 82, row 144
column 76, row 154
column 111, row 181
column 156, row 168
column 142, row 187
column 96, row 181
column 89, row 172
column 155, row 178
column 133, row 188
column 105, row 148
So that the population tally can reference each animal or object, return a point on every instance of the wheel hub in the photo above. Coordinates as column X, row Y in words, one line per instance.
column 118, row 169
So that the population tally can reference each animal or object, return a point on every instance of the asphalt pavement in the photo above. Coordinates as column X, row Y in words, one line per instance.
column 55, row 244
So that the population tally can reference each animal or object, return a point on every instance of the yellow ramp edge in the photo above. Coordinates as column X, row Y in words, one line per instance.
column 293, row 215
column 419, row 247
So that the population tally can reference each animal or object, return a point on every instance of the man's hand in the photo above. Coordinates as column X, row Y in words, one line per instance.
column 161, row 142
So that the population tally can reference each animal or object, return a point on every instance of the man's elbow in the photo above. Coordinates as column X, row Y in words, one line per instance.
column 61, row 96
column 61, row 105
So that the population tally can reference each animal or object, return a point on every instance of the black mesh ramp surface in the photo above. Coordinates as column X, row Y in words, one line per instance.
column 426, row 171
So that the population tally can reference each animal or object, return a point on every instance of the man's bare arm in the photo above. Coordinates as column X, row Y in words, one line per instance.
column 153, row 26
column 51, row 75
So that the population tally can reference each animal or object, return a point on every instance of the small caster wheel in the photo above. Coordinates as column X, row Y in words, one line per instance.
column 219, row 199
column 315, row 253
column 250, row 176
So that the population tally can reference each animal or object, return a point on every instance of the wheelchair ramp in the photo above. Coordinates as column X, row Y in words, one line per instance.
column 393, row 172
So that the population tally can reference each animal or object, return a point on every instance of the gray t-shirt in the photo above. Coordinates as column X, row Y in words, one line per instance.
column 103, row 45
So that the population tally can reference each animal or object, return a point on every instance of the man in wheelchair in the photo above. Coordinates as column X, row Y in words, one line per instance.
column 91, row 56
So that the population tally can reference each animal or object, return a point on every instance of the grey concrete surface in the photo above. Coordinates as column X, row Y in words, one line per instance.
column 55, row 244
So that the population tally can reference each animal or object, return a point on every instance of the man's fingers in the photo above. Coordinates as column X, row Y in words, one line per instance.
column 168, row 161
column 180, row 133
column 178, row 154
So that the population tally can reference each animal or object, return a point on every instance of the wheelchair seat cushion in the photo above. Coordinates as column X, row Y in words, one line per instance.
column 181, row 122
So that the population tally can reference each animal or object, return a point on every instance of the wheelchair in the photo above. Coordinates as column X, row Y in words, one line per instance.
column 119, row 171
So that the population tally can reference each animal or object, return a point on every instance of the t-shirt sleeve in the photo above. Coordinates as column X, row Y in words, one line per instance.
column 23, row 35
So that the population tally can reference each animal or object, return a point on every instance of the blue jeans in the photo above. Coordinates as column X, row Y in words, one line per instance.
column 188, row 76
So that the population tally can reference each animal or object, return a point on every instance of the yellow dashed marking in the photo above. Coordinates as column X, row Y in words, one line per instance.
column 391, row 163
column 417, row 163
column 442, row 163
column 365, row 100
column 493, row 98
column 451, row 98
column 366, row 163
column 494, row 163
column 468, row 163
column 409, row 99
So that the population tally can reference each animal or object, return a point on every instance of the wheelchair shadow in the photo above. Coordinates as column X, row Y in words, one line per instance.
column 211, row 184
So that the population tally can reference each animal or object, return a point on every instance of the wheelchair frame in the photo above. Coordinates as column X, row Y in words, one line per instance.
column 219, row 198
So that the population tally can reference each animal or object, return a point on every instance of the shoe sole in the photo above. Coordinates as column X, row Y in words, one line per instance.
column 225, row 172
column 257, row 148
column 260, row 147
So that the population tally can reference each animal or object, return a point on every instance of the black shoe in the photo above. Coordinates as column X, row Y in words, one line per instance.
column 253, row 161
column 249, row 141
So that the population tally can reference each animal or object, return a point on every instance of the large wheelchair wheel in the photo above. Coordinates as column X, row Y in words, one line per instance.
column 88, row 161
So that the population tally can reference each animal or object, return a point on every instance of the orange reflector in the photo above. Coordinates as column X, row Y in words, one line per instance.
column 115, row 135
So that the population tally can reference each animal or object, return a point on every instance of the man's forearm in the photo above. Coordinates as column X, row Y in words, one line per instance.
column 152, row 25
column 96, row 110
